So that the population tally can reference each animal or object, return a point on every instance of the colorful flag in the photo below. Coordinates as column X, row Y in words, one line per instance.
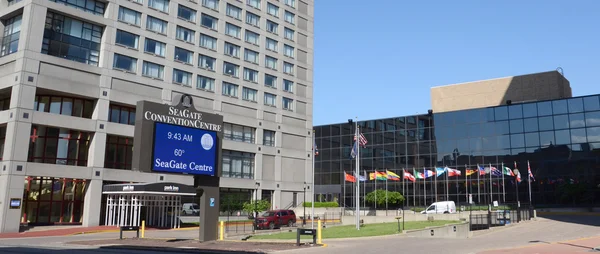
column 470, row 171
column 495, row 171
column 453, row 172
column 378, row 176
column 428, row 173
column 392, row 176
column 507, row 171
column 315, row 147
column 353, row 151
column 518, row 177
column 350, row 178
column 440, row 171
column 362, row 178
column 361, row 140
column 409, row 177
column 418, row 175
column 481, row 171
column 529, row 171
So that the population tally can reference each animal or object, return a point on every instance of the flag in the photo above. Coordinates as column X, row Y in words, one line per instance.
column 470, row 171
column 392, row 176
column 349, row 178
column 418, row 175
column 518, row 177
column 409, row 177
column 377, row 176
column 353, row 152
column 315, row 148
column 361, row 140
column 507, row 171
column 495, row 171
column 362, row 178
column 481, row 171
column 428, row 173
column 440, row 171
column 529, row 171
column 452, row 172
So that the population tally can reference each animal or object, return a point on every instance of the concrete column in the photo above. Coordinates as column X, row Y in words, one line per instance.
column 91, row 203
column 97, row 150
column 210, row 219
column 11, row 187
column 276, row 200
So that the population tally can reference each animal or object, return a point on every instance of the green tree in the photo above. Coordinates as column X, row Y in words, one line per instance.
column 394, row 198
column 231, row 202
column 256, row 206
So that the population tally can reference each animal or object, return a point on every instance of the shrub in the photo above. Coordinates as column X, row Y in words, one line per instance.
column 321, row 204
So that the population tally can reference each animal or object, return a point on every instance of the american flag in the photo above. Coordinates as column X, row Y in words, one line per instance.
column 529, row 171
column 362, row 140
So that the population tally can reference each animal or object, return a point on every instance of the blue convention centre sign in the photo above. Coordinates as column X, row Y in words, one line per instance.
column 179, row 149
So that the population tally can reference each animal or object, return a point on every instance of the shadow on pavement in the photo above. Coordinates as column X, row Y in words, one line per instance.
column 589, row 220
column 176, row 250
column 117, row 249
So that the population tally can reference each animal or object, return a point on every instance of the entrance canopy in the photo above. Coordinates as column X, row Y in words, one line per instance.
column 159, row 204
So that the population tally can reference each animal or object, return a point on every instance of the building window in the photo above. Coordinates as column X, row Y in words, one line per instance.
column 206, row 62
column 270, row 81
column 288, row 86
column 252, row 19
column 10, row 36
column 234, row 12
column 288, row 68
column 186, row 13
column 268, row 138
column 161, row 5
column 270, row 99
column 2, row 140
column 209, row 22
column 185, row 34
column 272, row 9
column 127, row 39
column 58, row 146
column 119, row 151
column 49, row 200
column 251, row 56
column 91, row 6
column 230, row 69
column 271, row 62
column 11, row 2
column 271, row 44
column 72, row 39
column 252, row 37
column 249, row 94
column 125, row 63
column 156, row 25
column 208, row 42
column 204, row 83
column 4, row 105
column 154, row 47
column 129, row 16
column 232, row 30
column 289, row 17
column 121, row 114
column 211, row 4
column 290, row 3
column 232, row 50
column 230, row 89
column 287, row 104
column 64, row 106
column 238, row 133
column 288, row 50
column 153, row 70
column 272, row 27
column 238, row 165
column 250, row 75
column 184, row 56
column 288, row 34
column 182, row 77
column 253, row 3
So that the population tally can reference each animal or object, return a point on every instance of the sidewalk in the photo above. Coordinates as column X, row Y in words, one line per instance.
column 582, row 245
column 59, row 232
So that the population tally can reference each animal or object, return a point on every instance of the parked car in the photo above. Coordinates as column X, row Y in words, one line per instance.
column 275, row 219
column 190, row 209
column 441, row 207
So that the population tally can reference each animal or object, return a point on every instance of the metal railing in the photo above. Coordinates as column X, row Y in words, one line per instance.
column 499, row 218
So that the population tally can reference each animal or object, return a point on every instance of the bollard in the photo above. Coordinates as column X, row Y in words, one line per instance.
column 319, row 229
column 143, row 228
column 222, row 230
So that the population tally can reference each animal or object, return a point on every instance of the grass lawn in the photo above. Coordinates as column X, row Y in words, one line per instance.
column 367, row 230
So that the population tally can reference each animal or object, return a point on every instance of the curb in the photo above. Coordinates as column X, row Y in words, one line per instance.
column 172, row 250
column 570, row 213
column 597, row 248
column 91, row 232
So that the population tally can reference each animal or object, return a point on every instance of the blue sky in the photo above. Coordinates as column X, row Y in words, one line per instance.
column 380, row 60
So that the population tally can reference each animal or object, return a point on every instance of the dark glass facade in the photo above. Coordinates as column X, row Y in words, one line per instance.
column 559, row 138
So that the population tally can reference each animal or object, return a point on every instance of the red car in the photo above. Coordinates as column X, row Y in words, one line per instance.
column 275, row 219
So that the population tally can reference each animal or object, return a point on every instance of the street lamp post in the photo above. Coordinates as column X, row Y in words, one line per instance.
column 304, row 205
column 255, row 206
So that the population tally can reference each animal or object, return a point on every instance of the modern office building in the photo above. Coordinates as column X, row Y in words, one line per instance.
column 558, row 135
column 71, row 73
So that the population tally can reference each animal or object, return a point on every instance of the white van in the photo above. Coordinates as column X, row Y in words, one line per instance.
column 190, row 209
column 441, row 207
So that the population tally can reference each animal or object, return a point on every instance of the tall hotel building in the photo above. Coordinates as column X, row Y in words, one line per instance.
column 71, row 72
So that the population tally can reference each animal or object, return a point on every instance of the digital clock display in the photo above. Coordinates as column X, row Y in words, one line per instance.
column 179, row 149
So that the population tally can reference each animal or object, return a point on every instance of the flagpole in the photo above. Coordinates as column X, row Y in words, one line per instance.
column 403, row 190
column 529, row 181
column 425, row 187
column 386, row 190
column 491, row 186
column 357, row 196
column 365, row 190
column 478, row 186
column 375, row 176
column 435, row 185
column 447, row 187
column 466, row 185
column 312, row 210
column 344, row 190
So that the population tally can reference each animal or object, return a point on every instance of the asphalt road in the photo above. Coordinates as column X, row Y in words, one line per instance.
column 548, row 229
